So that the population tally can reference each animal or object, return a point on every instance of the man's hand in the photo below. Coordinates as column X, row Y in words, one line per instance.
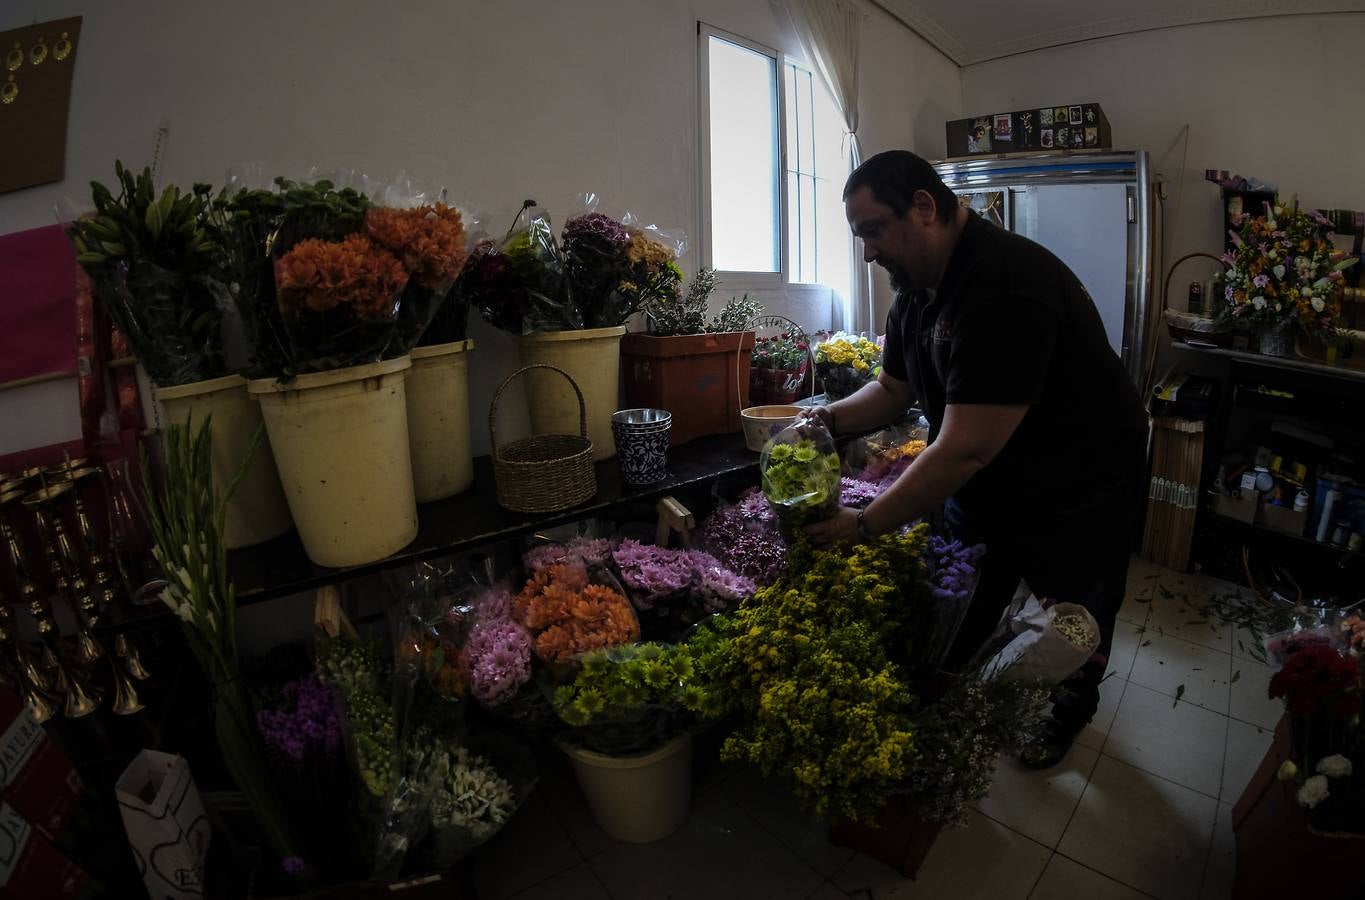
column 840, row 528
column 820, row 414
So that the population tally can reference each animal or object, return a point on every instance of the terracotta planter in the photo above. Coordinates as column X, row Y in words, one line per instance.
column 1278, row 852
column 900, row 840
column 702, row 379
column 777, row 387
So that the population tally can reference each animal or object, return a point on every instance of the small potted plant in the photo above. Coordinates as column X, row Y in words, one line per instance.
column 696, row 370
column 780, row 367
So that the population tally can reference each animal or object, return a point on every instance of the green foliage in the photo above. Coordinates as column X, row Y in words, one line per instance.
column 670, row 315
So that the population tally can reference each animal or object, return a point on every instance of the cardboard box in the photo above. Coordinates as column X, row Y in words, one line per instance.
column 31, row 868
column 36, row 778
column 1242, row 508
column 1072, row 127
column 1283, row 519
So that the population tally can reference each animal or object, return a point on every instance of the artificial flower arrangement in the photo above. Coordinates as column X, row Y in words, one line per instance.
column 835, row 697
column 568, row 615
column 158, row 267
column 1283, row 270
column 800, row 474
column 846, row 362
column 1322, row 685
column 675, row 589
column 631, row 699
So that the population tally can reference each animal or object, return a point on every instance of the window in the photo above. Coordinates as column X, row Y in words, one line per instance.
column 775, row 161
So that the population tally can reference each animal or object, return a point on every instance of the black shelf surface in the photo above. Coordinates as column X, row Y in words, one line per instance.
column 280, row 567
column 1262, row 529
column 1276, row 362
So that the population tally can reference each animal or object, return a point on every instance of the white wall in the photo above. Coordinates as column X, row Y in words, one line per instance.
column 500, row 101
column 1276, row 99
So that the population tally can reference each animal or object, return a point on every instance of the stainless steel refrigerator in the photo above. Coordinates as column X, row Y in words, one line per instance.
column 1092, row 209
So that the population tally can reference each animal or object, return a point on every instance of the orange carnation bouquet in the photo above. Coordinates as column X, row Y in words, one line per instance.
column 568, row 615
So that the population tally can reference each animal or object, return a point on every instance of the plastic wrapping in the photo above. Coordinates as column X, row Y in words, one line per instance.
column 518, row 282
column 1045, row 647
column 672, row 590
column 880, row 458
column 650, row 272
column 933, row 623
column 845, row 362
column 745, row 538
column 155, row 264
column 451, row 320
column 640, row 688
column 800, row 475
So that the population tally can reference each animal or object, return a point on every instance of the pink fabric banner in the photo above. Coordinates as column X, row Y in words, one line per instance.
column 37, row 303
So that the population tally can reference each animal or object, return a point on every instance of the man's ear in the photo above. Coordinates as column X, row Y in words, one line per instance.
column 923, row 207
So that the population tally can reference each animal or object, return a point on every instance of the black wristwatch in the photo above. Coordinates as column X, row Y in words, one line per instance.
column 862, row 527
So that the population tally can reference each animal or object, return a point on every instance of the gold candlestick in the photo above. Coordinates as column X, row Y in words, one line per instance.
column 99, row 562
column 125, row 648
column 30, row 680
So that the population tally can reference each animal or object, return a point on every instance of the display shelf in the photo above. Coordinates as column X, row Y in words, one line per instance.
column 1258, row 528
column 279, row 567
column 1276, row 362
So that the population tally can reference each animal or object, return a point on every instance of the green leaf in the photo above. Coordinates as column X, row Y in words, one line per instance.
column 1179, row 692
column 1235, row 675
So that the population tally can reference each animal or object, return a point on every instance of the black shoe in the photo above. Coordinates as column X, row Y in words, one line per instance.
column 1051, row 747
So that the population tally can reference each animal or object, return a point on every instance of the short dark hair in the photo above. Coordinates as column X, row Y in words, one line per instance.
column 895, row 175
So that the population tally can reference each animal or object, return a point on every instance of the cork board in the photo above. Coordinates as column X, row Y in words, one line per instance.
column 36, row 64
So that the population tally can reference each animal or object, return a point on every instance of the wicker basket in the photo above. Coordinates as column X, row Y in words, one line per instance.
column 543, row 473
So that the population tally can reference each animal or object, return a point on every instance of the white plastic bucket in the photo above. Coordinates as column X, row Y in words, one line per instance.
column 637, row 799
column 341, row 445
column 592, row 357
column 257, row 510
column 438, row 420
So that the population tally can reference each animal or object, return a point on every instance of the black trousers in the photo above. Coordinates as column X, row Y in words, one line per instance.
column 1078, row 557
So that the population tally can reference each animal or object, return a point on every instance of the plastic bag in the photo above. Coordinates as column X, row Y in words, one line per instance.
column 800, row 475
column 451, row 320
column 845, row 362
column 651, row 274
column 1051, row 643
column 518, row 282
column 595, row 261
column 880, row 458
column 954, row 570
column 672, row 590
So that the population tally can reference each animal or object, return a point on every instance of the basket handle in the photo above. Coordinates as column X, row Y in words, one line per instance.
column 1166, row 286
column 493, row 407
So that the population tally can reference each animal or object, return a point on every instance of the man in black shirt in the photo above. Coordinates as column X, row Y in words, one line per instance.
column 1037, row 435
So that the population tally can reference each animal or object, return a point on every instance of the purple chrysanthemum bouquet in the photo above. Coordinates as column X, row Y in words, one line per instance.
column 745, row 540
column 499, row 653
column 679, row 586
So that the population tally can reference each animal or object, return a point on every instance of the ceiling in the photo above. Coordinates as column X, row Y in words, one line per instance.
column 978, row 30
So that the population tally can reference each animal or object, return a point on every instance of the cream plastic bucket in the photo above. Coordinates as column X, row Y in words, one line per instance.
column 341, row 445
column 438, row 420
column 637, row 799
column 592, row 357
column 257, row 510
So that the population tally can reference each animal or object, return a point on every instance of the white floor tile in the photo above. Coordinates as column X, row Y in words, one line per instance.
column 1247, row 746
column 1246, row 644
column 578, row 883
column 1222, row 865
column 1038, row 804
column 1127, row 638
column 1137, row 597
column 1167, row 664
column 530, row 849
column 719, row 854
column 1094, row 734
column 985, row 860
column 1066, row 879
column 1173, row 739
column 1249, row 700
column 1142, row 830
column 777, row 810
column 565, row 799
column 1178, row 610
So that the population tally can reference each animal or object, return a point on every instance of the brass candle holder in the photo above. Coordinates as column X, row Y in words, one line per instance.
column 30, row 680
column 85, row 526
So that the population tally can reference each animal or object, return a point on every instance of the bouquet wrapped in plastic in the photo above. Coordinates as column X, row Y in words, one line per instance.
column 846, row 362
column 568, row 613
column 157, row 266
column 674, row 589
column 518, row 283
column 800, row 475
column 744, row 537
column 880, row 458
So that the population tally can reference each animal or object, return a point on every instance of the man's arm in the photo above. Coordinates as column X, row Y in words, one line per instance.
column 972, row 435
column 876, row 403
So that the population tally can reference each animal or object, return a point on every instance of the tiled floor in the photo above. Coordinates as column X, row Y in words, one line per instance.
column 1141, row 808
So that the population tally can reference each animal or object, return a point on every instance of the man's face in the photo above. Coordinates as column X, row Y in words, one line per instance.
column 898, row 244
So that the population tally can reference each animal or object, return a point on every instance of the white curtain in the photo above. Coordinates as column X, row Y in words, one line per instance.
column 830, row 32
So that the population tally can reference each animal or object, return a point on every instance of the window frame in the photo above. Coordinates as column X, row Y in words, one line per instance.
column 775, row 281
